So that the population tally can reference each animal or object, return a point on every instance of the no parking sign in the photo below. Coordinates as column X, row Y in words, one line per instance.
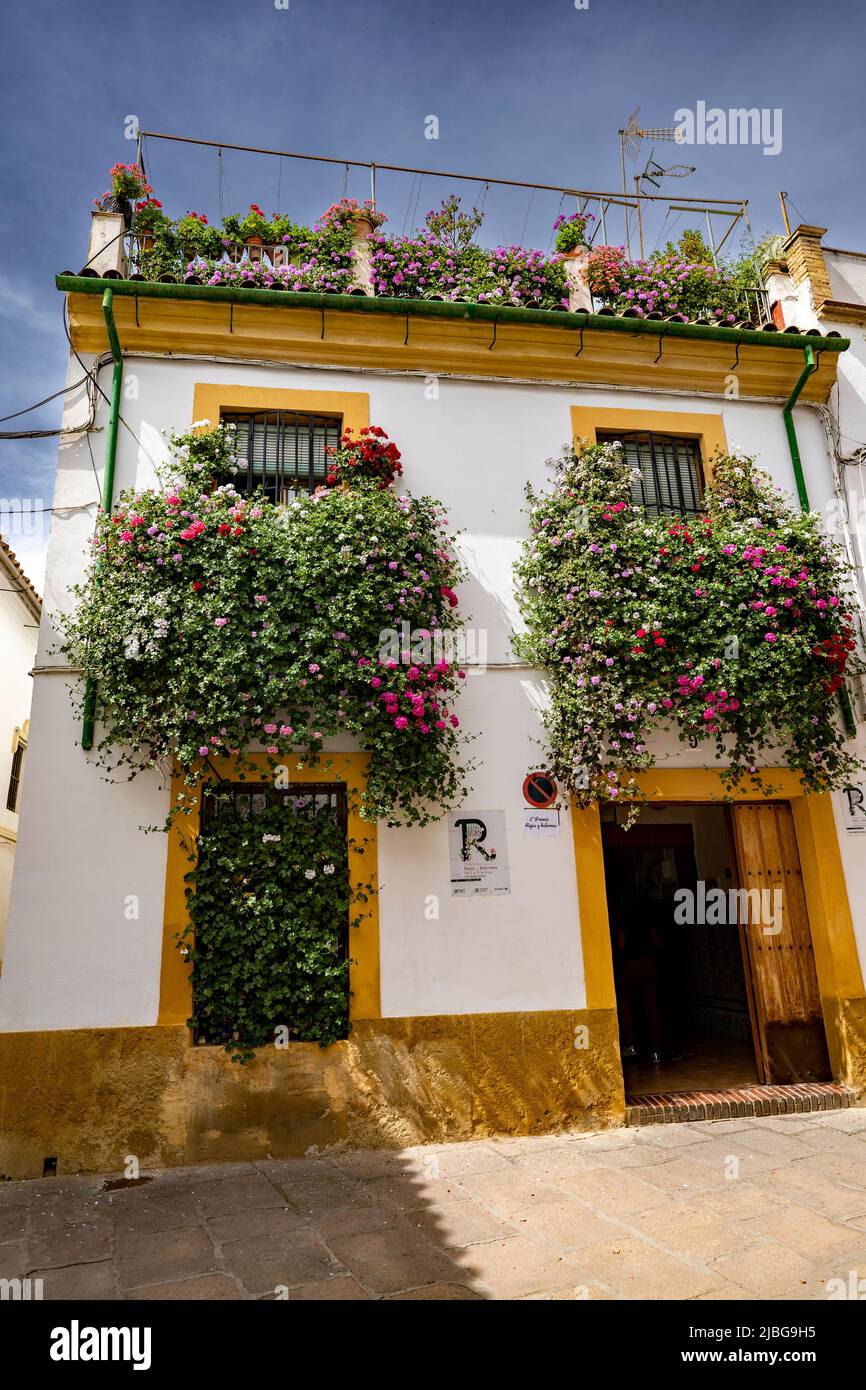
column 540, row 790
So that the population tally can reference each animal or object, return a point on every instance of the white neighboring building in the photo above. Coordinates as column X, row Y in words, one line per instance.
column 20, row 611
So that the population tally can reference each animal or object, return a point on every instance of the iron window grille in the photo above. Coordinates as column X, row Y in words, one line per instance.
column 667, row 475
column 15, row 776
column 284, row 451
column 245, row 799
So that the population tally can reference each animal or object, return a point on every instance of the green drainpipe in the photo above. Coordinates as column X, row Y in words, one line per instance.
column 89, row 717
column 808, row 369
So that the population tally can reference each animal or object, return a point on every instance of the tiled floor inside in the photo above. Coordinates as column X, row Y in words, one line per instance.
column 741, row 1209
column 710, row 1062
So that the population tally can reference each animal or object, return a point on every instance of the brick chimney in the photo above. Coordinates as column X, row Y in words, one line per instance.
column 806, row 261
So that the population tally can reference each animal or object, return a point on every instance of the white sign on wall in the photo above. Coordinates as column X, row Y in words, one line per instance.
column 540, row 822
column 854, row 807
column 478, row 853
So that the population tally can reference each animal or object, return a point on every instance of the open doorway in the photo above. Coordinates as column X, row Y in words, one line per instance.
column 682, row 990
column 715, row 975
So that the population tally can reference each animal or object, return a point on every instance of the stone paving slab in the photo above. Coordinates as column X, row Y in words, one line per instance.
column 745, row 1209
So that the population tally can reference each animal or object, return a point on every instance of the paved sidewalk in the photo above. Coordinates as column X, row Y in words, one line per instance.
column 739, row 1209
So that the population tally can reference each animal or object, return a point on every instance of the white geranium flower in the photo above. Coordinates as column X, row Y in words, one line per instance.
column 328, row 869
column 309, row 873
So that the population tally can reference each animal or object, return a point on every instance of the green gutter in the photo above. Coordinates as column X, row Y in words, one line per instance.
column 808, row 369
column 444, row 309
column 89, row 716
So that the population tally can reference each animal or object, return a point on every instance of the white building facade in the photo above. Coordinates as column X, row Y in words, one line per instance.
column 468, row 1021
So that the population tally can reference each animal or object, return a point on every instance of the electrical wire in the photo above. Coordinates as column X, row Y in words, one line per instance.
column 106, row 398
column 62, row 392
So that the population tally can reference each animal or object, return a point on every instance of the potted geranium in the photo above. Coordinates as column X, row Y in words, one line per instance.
column 127, row 184
column 195, row 236
column 571, row 233
column 147, row 221
column 372, row 455
column 362, row 218
column 255, row 230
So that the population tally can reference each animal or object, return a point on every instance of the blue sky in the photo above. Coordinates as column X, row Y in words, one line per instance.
column 533, row 91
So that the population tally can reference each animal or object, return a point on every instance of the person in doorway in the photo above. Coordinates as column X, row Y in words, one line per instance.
column 639, row 946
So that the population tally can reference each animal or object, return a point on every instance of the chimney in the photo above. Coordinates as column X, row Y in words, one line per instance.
column 805, row 260
column 106, row 249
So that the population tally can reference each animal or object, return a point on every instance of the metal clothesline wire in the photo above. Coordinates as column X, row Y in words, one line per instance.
column 619, row 199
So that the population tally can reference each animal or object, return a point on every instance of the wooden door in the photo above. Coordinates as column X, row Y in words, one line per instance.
column 790, row 1042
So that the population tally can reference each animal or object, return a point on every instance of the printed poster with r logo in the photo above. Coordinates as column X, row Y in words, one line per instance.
column 478, row 853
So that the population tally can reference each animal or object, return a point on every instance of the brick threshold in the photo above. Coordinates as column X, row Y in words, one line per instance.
column 740, row 1102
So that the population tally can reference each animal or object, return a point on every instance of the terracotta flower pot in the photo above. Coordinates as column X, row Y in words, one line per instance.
column 363, row 228
column 254, row 246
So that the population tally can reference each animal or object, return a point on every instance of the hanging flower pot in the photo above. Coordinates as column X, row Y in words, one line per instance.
column 254, row 229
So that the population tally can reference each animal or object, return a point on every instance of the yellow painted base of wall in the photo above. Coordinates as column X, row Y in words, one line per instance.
column 90, row 1097
column 845, row 1025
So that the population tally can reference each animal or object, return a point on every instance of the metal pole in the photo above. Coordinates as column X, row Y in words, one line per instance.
column 712, row 240
column 782, row 197
column 373, row 184
column 639, row 218
column 624, row 192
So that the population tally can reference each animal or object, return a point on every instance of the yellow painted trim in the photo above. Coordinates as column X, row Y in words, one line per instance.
column 526, row 352
column 210, row 399
column 175, row 995
column 8, row 835
column 708, row 429
column 592, row 904
column 837, row 960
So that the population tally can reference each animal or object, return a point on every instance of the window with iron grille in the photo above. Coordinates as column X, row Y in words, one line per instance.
column 305, row 799
column 667, row 470
column 15, row 776
column 296, row 920
column 284, row 450
column 244, row 799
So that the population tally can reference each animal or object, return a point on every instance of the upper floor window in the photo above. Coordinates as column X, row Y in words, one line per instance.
column 668, row 475
column 15, row 775
column 285, row 450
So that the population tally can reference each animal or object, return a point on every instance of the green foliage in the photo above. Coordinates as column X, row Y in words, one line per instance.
column 452, row 228
column 731, row 628
column 270, row 902
column 571, row 231
column 255, row 224
column 195, row 238
column 218, row 624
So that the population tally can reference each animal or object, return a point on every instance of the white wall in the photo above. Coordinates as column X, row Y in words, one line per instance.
column 17, row 651
column 73, row 961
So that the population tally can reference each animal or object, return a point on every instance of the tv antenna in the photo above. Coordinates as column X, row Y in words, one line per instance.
column 631, row 136
column 651, row 179
column 653, row 174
